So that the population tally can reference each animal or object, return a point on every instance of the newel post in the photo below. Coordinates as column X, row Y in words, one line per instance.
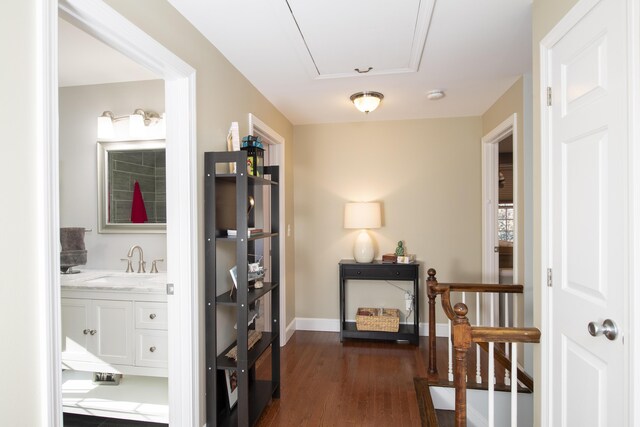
column 432, row 374
column 461, row 337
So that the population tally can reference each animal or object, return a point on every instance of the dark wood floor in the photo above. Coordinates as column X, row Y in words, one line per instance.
column 355, row 383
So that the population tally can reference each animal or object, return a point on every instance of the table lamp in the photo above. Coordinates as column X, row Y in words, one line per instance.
column 362, row 216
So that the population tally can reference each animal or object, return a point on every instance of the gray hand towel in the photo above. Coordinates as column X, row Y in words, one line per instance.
column 72, row 238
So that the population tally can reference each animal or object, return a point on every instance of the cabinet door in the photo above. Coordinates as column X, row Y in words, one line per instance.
column 75, row 328
column 113, row 341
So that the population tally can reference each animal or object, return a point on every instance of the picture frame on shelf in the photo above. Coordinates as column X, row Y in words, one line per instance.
column 231, row 377
column 233, row 143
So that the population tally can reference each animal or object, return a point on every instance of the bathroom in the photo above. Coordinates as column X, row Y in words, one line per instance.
column 87, row 88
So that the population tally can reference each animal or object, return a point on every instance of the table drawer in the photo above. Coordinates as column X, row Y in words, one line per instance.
column 152, row 349
column 151, row 315
column 380, row 272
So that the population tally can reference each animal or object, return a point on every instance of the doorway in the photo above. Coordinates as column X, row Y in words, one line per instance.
column 102, row 22
column 500, row 217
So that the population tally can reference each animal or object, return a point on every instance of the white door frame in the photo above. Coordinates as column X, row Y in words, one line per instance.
column 277, row 149
column 107, row 25
column 633, row 321
column 490, row 270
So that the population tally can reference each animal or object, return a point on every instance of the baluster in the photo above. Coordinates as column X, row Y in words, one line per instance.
column 462, row 337
column 490, row 382
column 507, row 379
column 464, row 301
column 450, row 353
column 491, row 373
column 431, row 296
column 478, row 372
column 514, row 385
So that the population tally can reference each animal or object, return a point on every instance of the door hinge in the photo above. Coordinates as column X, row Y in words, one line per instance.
column 548, row 96
column 549, row 277
column 169, row 288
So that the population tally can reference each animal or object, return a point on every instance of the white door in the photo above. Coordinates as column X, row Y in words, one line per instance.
column 588, row 234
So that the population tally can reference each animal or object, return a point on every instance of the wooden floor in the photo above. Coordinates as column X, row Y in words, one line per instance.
column 355, row 383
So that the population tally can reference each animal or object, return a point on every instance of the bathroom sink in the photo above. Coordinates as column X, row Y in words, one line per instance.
column 119, row 281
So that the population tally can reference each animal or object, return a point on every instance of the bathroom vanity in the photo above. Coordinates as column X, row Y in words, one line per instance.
column 116, row 323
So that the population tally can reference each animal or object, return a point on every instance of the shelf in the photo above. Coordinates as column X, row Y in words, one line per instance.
column 253, row 237
column 252, row 180
column 223, row 362
column 260, row 394
column 253, row 294
column 406, row 332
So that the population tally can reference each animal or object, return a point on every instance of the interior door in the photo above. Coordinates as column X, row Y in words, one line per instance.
column 588, row 150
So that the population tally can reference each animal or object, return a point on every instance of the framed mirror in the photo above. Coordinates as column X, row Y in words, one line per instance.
column 132, row 187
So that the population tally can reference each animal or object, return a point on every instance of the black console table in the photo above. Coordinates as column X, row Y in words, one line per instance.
column 377, row 270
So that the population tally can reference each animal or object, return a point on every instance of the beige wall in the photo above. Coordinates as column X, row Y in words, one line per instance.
column 426, row 173
column 546, row 14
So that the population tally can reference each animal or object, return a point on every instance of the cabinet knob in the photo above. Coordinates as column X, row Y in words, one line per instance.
column 152, row 349
column 86, row 331
column 152, row 316
column 358, row 273
column 93, row 331
column 397, row 273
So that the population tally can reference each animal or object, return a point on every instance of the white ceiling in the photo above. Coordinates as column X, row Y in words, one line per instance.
column 301, row 54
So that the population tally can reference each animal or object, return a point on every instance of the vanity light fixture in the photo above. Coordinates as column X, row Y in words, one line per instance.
column 366, row 101
column 137, row 121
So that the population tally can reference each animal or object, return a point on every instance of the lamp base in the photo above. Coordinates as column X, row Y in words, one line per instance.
column 363, row 248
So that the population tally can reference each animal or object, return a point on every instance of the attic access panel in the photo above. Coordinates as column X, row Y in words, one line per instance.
column 340, row 36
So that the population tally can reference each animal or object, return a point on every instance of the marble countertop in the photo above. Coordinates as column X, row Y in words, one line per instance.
column 110, row 280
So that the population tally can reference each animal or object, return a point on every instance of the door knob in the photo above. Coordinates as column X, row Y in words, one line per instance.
column 608, row 329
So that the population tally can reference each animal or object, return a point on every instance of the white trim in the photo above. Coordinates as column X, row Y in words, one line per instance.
column 104, row 23
column 48, row 196
column 546, row 254
column 278, row 143
column 333, row 325
column 291, row 329
column 634, row 212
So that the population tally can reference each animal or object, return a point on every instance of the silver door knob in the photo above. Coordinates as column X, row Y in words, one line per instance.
column 608, row 329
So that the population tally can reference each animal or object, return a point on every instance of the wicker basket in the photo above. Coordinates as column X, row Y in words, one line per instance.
column 378, row 319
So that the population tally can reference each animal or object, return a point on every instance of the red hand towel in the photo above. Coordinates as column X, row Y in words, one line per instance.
column 138, row 211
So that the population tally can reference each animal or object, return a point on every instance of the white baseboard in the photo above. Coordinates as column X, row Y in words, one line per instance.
column 333, row 325
column 289, row 330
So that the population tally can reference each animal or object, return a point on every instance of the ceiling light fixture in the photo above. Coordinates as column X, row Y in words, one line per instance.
column 434, row 95
column 366, row 101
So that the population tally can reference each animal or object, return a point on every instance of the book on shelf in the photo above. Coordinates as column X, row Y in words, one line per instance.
column 251, row 232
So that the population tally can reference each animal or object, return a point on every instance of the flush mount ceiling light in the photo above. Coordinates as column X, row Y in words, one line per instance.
column 366, row 101
column 434, row 95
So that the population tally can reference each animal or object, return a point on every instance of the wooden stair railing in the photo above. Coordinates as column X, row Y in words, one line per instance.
column 463, row 334
column 444, row 290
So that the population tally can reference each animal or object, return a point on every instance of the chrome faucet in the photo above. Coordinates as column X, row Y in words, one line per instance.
column 141, row 261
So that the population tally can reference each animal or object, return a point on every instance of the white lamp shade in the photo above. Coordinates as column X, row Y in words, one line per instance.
column 362, row 215
column 363, row 248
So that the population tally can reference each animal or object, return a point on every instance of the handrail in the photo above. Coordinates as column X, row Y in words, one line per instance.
column 463, row 334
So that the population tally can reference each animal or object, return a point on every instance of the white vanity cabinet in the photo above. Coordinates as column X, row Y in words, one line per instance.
column 97, row 331
column 114, row 331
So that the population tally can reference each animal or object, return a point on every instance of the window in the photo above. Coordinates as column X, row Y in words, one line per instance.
column 506, row 222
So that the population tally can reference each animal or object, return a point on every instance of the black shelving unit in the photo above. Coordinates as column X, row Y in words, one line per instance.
column 226, row 207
